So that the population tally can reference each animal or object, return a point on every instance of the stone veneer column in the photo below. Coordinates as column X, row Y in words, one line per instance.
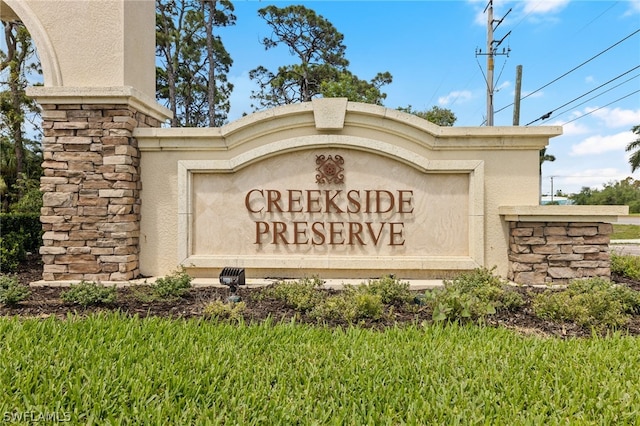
column 91, row 186
column 546, row 252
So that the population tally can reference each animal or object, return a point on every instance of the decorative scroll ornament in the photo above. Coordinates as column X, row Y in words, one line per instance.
column 329, row 169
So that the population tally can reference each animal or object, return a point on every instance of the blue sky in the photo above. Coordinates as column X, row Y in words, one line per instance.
column 429, row 48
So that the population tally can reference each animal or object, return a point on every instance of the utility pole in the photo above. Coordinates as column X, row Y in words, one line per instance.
column 516, row 100
column 492, row 51
column 490, row 63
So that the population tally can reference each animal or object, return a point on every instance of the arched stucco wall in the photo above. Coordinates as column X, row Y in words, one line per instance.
column 501, row 165
column 92, row 44
column 46, row 51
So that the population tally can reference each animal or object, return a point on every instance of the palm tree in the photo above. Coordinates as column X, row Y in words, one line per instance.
column 545, row 157
column 634, row 159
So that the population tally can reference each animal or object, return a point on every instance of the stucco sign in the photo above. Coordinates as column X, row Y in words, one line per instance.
column 366, row 207
column 277, row 213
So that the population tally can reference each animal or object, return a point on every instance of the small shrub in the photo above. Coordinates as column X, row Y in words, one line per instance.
column 350, row 305
column 301, row 295
column 27, row 225
column 366, row 306
column 12, row 292
column 626, row 265
column 593, row 302
column 12, row 251
column 472, row 295
column 89, row 293
column 227, row 311
column 174, row 285
column 390, row 290
column 31, row 200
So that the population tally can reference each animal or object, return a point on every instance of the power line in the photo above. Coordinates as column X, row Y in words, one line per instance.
column 575, row 68
column 596, row 96
column 547, row 115
column 604, row 106
column 598, row 17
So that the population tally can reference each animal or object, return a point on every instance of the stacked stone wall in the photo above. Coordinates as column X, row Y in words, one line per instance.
column 91, row 192
column 547, row 252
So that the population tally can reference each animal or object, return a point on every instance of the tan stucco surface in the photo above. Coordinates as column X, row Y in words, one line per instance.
column 189, row 174
column 592, row 214
column 97, row 43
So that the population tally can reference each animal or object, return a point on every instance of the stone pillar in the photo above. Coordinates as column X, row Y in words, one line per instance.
column 91, row 186
column 547, row 252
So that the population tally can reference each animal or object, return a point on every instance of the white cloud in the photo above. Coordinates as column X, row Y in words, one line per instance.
column 617, row 117
column 455, row 96
column 534, row 10
column 591, row 178
column 526, row 94
column 502, row 86
column 589, row 79
column 570, row 129
column 544, row 6
column 599, row 144
column 500, row 8
column 634, row 8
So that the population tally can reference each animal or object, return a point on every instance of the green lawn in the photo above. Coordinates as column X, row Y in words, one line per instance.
column 625, row 232
column 109, row 369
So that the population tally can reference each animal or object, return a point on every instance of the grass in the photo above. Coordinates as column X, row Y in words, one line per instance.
column 112, row 369
column 625, row 232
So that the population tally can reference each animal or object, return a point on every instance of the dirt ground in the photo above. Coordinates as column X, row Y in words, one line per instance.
column 46, row 301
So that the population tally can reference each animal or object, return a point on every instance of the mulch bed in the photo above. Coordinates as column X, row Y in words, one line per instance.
column 46, row 301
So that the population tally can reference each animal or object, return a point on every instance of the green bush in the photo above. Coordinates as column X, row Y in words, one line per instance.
column 365, row 301
column 12, row 251
column 19, row 233
column 31, row 200
column 472, row 295
column 626, row 265
column 350, row 305
column 12, row 292
column 89, row 293
column 593, row 302
column 390, row 290
column 301, row 295
column 25, row 224
column 174, row 285
column 227, row 311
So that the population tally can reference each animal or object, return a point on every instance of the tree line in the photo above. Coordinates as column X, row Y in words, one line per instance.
column 194, row 63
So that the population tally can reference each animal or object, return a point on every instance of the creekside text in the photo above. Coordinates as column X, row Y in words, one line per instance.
column 370, row 202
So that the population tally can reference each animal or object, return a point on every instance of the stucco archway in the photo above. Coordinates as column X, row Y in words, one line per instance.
column 46, row 52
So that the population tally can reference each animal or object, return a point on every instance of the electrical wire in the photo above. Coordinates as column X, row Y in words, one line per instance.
column 597, row 17
column 593, row 97
column 573, row 69
column 604, row 106
column 547, row 115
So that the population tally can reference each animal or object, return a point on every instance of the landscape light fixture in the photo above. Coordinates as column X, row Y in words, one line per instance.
column 232, row 277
